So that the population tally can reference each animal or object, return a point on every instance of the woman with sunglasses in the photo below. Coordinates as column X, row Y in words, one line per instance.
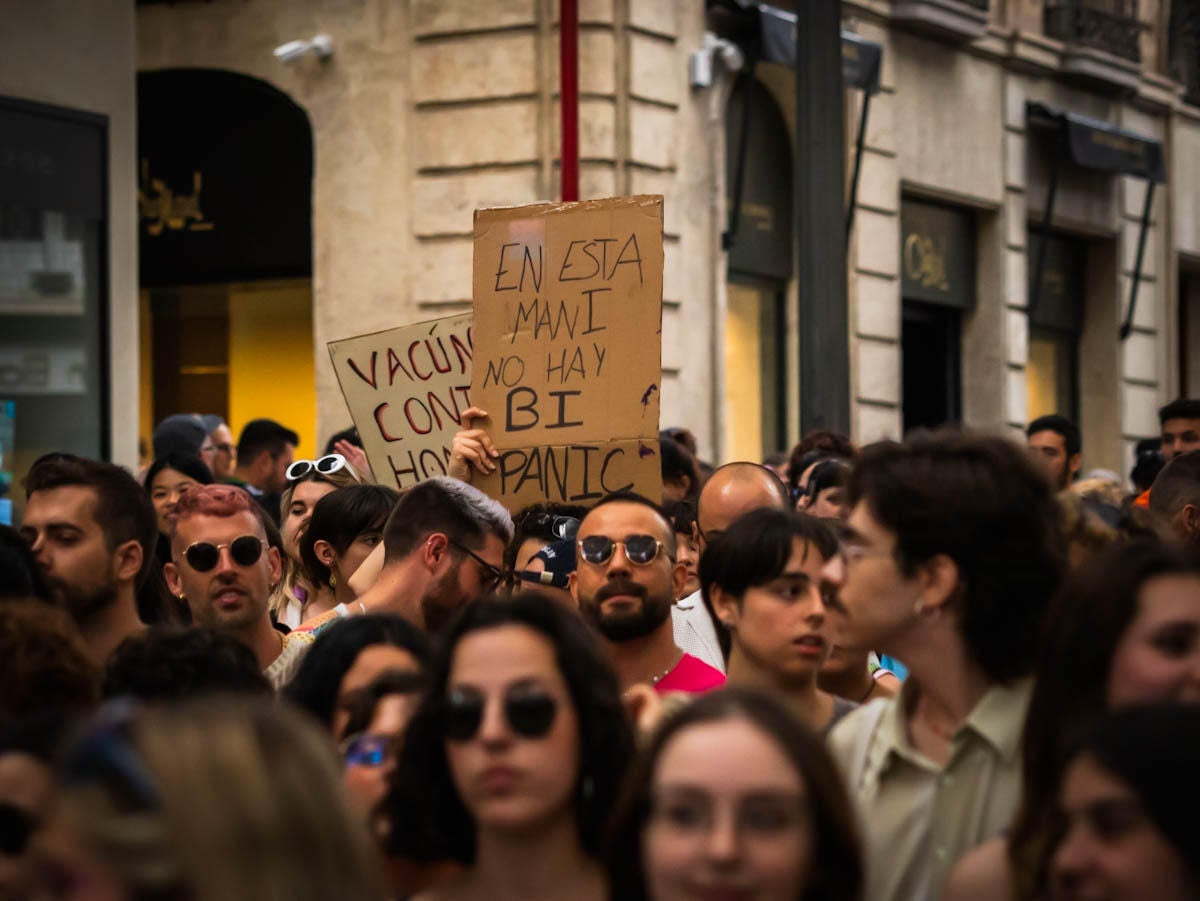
column 734, row 798
column 513, row 757
column 297, row 598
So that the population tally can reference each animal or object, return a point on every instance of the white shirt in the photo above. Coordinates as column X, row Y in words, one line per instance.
column 695, row 633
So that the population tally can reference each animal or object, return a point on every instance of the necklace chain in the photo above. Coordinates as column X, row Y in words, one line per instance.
column 667, row 671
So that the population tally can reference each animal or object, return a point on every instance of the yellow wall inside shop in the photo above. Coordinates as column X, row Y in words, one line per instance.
column 145, row 377
column 743, row 374
column 271, row 371
column 1041, row 380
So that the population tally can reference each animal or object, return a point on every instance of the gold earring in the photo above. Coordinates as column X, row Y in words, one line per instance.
column 918, row 609
column 332, row 580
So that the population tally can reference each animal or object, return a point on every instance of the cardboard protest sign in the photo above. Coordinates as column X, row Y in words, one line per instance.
column 568, row 319
column 406, row 389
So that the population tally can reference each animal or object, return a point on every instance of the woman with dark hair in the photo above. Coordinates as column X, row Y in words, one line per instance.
column 346, row 657
column 680, row 475
column 1125, row 631
column 166, row 480
column 345, row 527
column 513, row 758
column 1127, row 808
column 733, row 797
column 762, row 577
column 825, row 493
column 298, row 599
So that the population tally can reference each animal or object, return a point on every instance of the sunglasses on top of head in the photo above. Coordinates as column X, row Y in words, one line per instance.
column 203, row 556
column 529, row 713
column 326, row 465
column 640, row 550
column 561, row 527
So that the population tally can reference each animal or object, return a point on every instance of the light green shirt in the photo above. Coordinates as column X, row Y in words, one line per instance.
column 917, row 817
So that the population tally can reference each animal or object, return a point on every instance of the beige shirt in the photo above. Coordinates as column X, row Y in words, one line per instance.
column 917, row 817
column 283, row 667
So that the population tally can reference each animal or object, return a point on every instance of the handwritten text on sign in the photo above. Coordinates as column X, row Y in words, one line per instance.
column 568, row 314
column 406, row 389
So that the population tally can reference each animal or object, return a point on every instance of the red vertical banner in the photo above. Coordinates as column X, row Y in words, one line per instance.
column 568, row 66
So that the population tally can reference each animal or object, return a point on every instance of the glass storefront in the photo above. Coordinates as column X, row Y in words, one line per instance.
column 53, row 286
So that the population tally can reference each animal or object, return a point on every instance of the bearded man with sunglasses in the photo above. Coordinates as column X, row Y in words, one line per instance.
column 625, row 583
column 223, row 568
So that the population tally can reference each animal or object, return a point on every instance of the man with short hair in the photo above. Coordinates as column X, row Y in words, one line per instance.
column 218, row 450
column 733, row 490
column 265, row 450
column 1057, row 447
column 1180, row 420
column 1175, row 500
column 92, row 530
column 443, row 548
column 224, row 569
column 953, row 551
column 625, row 581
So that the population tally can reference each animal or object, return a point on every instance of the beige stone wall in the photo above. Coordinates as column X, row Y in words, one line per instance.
column 368, row 264
column 80, row 55
column 950, row 125
column 431, row 109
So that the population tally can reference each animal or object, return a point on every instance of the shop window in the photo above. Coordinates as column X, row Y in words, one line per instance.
column 932, row 350
column 937, row 268
column 1055, row 325
column 1189, row 333
column 754, row 378
column 1051, row 374
column 53, row 285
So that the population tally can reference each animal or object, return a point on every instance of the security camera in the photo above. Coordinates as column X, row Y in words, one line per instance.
column 292, row 51
column 701, row 63
column 321, row 46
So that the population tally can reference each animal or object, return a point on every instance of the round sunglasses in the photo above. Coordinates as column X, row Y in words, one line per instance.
column 203, row 556
column 529, row 714
column 639, row 549
column 326, row 465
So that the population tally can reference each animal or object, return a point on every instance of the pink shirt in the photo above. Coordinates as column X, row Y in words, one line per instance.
column 691, row 675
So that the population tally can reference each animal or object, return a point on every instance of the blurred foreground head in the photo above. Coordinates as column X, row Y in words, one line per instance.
column 216, row 799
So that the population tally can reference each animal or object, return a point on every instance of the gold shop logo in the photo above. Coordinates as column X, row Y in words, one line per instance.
column 160, row 207
column 925, row 262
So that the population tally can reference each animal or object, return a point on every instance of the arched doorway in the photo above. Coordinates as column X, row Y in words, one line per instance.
column 225, row 240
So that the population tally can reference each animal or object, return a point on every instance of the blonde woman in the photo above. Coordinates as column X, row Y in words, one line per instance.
column 296, row 598
column 217, row 799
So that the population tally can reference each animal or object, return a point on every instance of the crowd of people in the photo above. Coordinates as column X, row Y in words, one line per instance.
column 953, row 667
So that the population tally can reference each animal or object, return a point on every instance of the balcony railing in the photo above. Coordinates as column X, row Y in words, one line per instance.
column 1108, row 25
column 1185, row 47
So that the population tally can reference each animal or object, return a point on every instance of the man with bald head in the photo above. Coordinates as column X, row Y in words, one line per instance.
column 731, row 492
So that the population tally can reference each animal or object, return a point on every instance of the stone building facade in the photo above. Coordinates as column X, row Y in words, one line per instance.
column 429, row 109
